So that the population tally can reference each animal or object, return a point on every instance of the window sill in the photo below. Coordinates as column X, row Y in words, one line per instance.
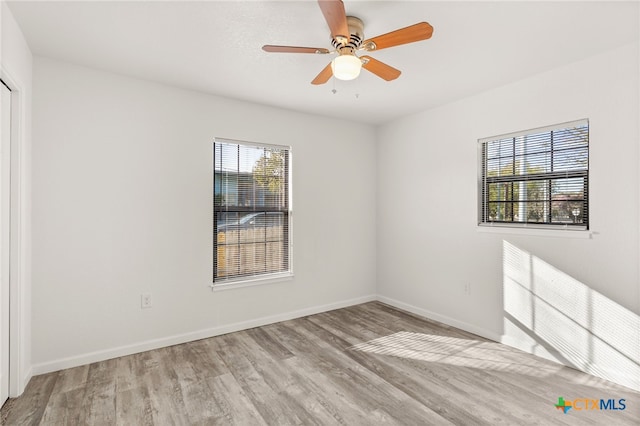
column 537, row 232
column 252, row 281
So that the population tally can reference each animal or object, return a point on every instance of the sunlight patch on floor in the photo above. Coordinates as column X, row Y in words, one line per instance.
column 453, row 351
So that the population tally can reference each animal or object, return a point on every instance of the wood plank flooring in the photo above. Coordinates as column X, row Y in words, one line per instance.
column 364, row 365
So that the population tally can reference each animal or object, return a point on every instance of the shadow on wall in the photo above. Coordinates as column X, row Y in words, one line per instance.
column 546, row 310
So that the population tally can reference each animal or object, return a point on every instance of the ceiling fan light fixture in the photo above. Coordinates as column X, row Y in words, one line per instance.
column 347, row 38
column 346, row 67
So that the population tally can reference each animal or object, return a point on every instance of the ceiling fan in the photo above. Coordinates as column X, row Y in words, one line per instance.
column 347, row 37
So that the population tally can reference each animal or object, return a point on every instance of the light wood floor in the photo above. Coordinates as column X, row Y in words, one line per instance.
column 364, row 365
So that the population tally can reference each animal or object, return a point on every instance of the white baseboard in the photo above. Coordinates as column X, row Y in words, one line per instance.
column 91, row 357
column 25, row 379
column 22, row 383
column 487, row 334
column 97, row 356
column 529, row 347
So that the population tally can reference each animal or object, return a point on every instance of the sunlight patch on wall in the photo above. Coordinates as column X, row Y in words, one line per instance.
column 573, row 322
column 452, row 351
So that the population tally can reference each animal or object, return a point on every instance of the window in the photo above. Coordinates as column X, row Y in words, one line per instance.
column 251, row 211
column 537, row 178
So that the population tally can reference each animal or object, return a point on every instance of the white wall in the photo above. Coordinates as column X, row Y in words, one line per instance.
column 122, row 203
column 429, row 246
column 16, row 71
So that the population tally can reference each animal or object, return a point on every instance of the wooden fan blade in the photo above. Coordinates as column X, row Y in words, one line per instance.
column 417, row 32
column 382, row 70
column 324, row 75
column 293, row 49
column 336, row 17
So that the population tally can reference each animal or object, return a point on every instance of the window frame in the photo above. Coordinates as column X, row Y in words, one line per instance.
column 218, row 283
column 483, row 183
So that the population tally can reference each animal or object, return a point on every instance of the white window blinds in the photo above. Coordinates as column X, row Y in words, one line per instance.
column 539, row 177
column 251, row 210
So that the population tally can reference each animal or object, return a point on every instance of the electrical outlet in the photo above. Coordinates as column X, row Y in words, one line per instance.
column 145, row 300
column 467, row 288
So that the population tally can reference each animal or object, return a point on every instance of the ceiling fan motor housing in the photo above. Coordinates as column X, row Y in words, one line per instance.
column 356, row 36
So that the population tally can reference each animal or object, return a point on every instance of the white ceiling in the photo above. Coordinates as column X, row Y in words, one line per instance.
column 215, row 46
